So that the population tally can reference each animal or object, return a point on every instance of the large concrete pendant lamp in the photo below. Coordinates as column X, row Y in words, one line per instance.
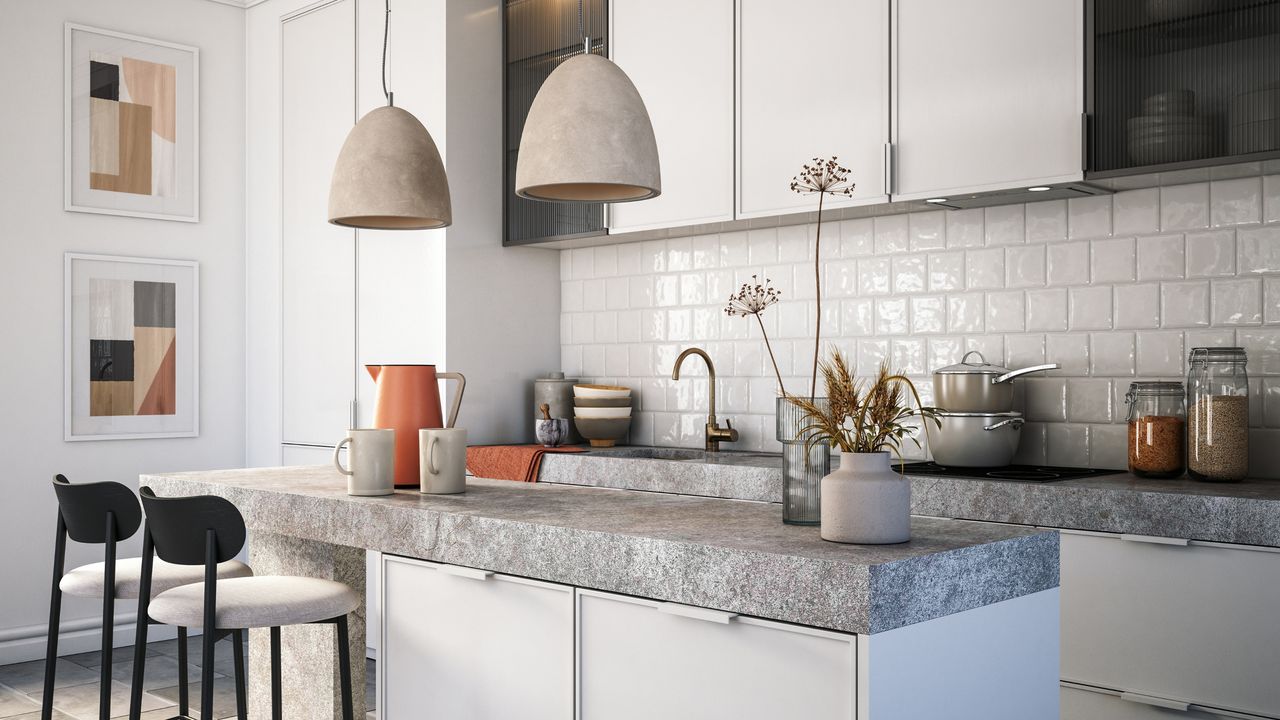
column 389, row 175
column 588, row 137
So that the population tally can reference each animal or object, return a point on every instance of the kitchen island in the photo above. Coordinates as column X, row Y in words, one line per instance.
column 962, row 621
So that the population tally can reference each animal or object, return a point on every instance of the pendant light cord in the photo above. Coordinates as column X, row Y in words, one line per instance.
column 386, row 32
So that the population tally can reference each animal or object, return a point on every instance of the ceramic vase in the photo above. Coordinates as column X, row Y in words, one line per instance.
column 866, row 501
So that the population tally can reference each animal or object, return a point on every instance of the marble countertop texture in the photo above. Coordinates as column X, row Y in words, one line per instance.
column 1247, row 513
column 725, row 554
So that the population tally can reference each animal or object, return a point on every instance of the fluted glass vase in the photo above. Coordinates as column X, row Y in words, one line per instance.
column 802, row 471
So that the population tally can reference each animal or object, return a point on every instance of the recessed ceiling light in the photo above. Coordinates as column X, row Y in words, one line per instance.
column 1039, row 188
column 936, row 200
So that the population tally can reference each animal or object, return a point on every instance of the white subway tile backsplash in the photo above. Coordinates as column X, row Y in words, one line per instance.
column 892, row 234
column 1137, row 212
column 1184, row 207
column 1024, row 266
column 1091, row 308
column 1112, row 354
column 909, row 273
column 984, row 269
column 1237, row 302
column 873, row 276
column 1006, row 311
column 928, row 230
column 1159, row 354
column 1005, row 225
column 1089, row 217
column 1137, row 306
column 1113, row 260
column 1259, row 250
column 1235, row 202
column 1070, row 350
column 965, row 228
column 1068, row 263
column 1112, row 288
column 1046, row 310
column 1161, row 257
column 1046, row 221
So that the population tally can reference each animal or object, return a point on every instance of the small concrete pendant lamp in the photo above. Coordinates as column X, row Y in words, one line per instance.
column 389, row 175
column 588, row 137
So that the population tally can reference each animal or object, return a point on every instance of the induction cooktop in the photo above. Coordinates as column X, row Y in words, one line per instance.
column 1022, row 473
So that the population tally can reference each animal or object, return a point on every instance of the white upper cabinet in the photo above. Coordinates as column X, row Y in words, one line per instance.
column 988, row 94
column 679, row 54
column 813, row 81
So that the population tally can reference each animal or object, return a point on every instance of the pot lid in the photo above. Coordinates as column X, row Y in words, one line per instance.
column 557, row 377
column 964, row 367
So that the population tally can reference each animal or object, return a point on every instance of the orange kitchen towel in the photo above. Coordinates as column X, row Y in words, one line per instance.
column 509, row 462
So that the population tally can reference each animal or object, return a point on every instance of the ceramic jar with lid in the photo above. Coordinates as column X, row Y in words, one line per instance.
column 1157, row 429
column 557, row 392
column 1218, row 414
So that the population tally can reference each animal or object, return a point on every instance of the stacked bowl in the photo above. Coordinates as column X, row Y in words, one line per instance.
column 1255, row 120
column 602, row 413
column 1168, row 130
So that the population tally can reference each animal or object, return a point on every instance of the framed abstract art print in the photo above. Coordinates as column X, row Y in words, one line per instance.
column 131, row 123
column 130, row 348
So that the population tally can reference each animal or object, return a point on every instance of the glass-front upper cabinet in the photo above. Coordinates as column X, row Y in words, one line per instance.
column 1183, row 83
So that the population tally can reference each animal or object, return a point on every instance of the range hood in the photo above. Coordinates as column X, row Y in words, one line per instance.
column 1065, row 191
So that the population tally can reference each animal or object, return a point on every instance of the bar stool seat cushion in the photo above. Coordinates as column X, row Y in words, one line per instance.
column 257, row 602
column 87, row 580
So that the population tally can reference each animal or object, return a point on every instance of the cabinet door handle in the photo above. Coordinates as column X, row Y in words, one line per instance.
column 465, row 572
column 697, row 613
column 1155, row 701
column 888, row 168
column 1154, row 540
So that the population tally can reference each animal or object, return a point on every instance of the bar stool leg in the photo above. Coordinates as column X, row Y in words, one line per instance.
column 344, row 667
column 108, row 619
column 277, row 701
column 183, row 697
column 242, row 709
column 55, row 613
column 206, row 675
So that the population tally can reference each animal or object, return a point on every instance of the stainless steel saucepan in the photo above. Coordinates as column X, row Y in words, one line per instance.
column 975, row 439
column 973, row 387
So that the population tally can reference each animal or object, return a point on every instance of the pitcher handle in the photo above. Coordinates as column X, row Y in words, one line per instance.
column 457, row 399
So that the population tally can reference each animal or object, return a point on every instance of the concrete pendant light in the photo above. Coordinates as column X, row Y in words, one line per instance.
column 389, row 175
column 588, row 136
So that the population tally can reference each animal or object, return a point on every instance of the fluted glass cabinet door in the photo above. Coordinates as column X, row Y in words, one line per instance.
column 1182, row 83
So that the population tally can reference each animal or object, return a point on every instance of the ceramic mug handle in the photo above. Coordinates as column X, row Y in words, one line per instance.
column 338, row 463
column 432, row 441
column 457, row 399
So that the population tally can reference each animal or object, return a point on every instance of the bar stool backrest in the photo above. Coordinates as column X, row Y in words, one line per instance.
column 179, row 527
column 84, row 509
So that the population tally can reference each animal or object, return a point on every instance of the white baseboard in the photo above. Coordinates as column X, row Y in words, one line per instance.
column 20, row 644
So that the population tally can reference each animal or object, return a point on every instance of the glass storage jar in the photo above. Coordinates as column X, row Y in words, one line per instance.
column 1217, row 414
column 1157, row 429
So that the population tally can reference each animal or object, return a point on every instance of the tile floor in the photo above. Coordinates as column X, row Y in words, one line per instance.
column 75, row 694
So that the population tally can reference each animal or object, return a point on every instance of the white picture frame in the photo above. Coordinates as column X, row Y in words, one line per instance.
column 113, row 297
column 174, row 180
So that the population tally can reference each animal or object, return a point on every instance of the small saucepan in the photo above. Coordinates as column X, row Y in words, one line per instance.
column 978, row 387
column 975, row 439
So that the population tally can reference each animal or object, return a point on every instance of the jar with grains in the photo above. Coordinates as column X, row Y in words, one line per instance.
column 1218, row 414
column 1157, row 429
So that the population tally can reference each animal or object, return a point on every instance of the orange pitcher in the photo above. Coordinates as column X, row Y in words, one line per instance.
column 408, row 399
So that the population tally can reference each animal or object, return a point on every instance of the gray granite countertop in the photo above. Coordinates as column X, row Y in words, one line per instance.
column 725, row 554
column 1247, row 513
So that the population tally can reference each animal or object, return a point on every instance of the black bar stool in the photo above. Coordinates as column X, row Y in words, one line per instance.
column 203, row 531
column 105, row 513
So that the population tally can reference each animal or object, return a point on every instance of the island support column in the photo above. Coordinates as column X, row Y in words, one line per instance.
column 309, row 653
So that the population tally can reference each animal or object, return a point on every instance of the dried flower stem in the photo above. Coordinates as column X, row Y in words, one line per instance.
column 817, row 280
column 781, row 388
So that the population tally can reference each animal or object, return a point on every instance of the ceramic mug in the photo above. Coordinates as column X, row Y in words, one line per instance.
column 443, row 463
column 371, row 461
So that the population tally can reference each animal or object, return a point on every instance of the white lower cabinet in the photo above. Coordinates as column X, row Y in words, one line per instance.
column 1175, row 620
column 459, row 643
column 1098, row 704
column 646, row 659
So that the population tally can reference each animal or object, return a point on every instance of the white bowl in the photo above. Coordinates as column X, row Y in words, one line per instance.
column 601, row 391
column 600, row 413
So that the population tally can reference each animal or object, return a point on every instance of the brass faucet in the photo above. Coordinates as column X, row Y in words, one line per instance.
column 714, row 433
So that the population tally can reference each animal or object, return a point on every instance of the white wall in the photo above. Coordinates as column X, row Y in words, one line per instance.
column 37, row 232
column 1115, row 288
